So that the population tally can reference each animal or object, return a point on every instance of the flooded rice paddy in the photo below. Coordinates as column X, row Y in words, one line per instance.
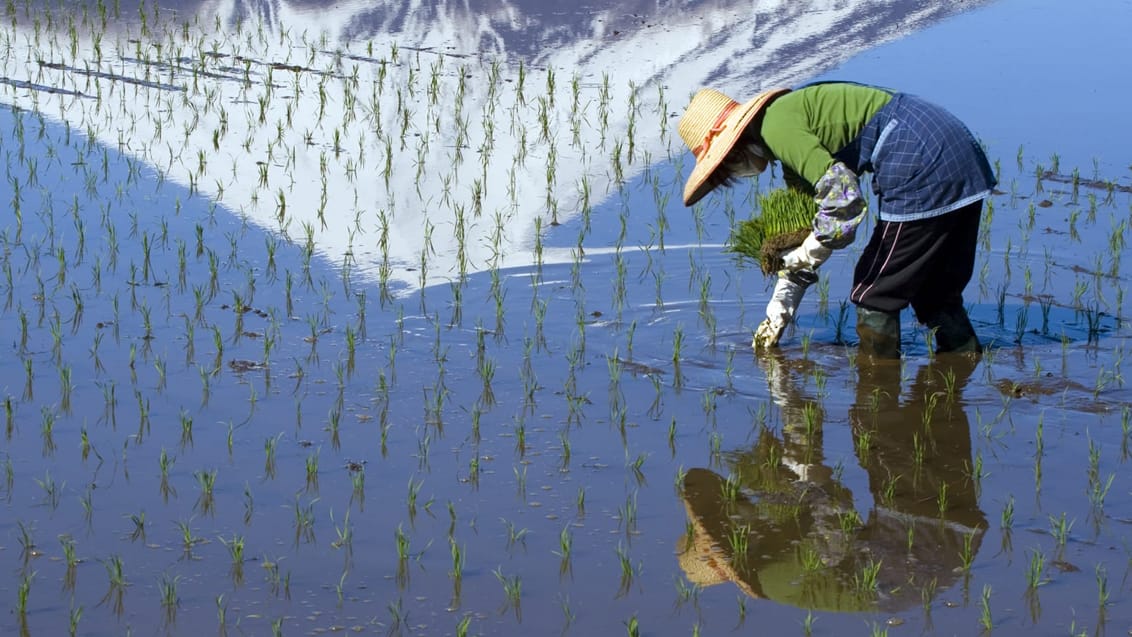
column 311, row 335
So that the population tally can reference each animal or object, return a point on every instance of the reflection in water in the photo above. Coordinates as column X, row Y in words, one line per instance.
column 400, row 140
column 782, row 526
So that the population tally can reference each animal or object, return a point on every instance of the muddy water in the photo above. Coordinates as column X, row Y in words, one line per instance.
column 367, row 448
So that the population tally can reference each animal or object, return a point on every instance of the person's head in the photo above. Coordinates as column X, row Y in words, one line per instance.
column 717, row 130
column 747, row 158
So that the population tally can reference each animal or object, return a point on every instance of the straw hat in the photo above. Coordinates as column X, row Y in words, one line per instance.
column 710, row 126
column 701, row 556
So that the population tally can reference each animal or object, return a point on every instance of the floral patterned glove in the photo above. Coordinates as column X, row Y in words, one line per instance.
column 841, row 207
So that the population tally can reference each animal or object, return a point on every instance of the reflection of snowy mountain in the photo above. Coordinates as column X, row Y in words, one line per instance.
column 415, row 141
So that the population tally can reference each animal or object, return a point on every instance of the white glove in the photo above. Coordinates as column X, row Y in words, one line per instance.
column 784, row 302
column 807, row 256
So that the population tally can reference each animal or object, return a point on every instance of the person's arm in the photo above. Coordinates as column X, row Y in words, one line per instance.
column 809, row 166
column 783, row 305
column 803, row 157
column 841, row 206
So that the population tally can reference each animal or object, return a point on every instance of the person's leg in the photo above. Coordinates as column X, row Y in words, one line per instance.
column 878, row 328
column 953, row 329
column 878, row 333
column 895, row 270
column 877, row 292
column 939, row 302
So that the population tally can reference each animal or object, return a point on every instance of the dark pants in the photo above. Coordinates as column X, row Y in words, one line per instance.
column 925, row 263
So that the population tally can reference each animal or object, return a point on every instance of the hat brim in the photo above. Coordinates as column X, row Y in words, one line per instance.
column 697, row 185
column 703, row 559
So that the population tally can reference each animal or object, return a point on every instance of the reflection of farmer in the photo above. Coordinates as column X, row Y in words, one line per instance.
column 792, row 534
column 929, row 174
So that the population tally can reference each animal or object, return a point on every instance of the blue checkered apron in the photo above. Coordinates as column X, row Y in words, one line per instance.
column 924, row 160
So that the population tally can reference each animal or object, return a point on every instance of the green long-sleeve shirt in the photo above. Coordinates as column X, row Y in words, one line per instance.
column 804, row 128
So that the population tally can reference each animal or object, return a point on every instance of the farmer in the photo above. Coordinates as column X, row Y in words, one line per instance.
column 929, row 174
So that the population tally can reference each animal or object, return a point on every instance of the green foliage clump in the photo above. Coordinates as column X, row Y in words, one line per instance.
column 785, row 218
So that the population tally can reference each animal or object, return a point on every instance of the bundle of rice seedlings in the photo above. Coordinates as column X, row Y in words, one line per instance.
column 786, row 216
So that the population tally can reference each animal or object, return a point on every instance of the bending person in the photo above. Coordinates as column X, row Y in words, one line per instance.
column 929, row 174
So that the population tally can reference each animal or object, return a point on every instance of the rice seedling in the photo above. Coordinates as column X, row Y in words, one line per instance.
column 206, row 481
column 358, row 484
column 715, row 444
column 139, row 526
column 9, row 419
column 985, row 619
column 627, row 514
column 708, row 403
column 1125, row 430
column 627, row 570
column 866, row 580
column 808, row 623
column 785, row 218
column 809, row 558
column 1035, row 570
column 474, row 471
column 967, row 553
column 807, row 340
column 687, row 592
column 512, row 590
column 565, row 545
column 520, row 479
column 927, row 594
column 170, row 599
column 74, row 617
column 458, row 559
column 632, row 627
column 1097, row 488
column 22, row 592
column 515, row 536
column 312, row 471
column 27, row 543
column 677, row 351
column 51, row 490
column 87, row 502
column 70, row 557
column 345, row 533
column 29, row 393
column 188, row 538
column 919, row 447
column 1103, row 593
column 739, row 539
column 487, row 375
column 1059, row 529
column 414, row 492
column 235, row 547
column 731, row 488
column 118, row 583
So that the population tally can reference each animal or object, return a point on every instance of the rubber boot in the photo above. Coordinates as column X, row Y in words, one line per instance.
column 953, row 330
column 879, row 333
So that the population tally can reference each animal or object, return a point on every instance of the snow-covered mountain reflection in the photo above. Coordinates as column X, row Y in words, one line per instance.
column 418, row 141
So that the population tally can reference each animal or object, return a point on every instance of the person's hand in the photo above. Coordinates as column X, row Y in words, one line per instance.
column 807, row 256
column 768, row 333
column 783, row 305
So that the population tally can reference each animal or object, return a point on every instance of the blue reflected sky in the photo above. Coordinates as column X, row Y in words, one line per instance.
column 1052, row 76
